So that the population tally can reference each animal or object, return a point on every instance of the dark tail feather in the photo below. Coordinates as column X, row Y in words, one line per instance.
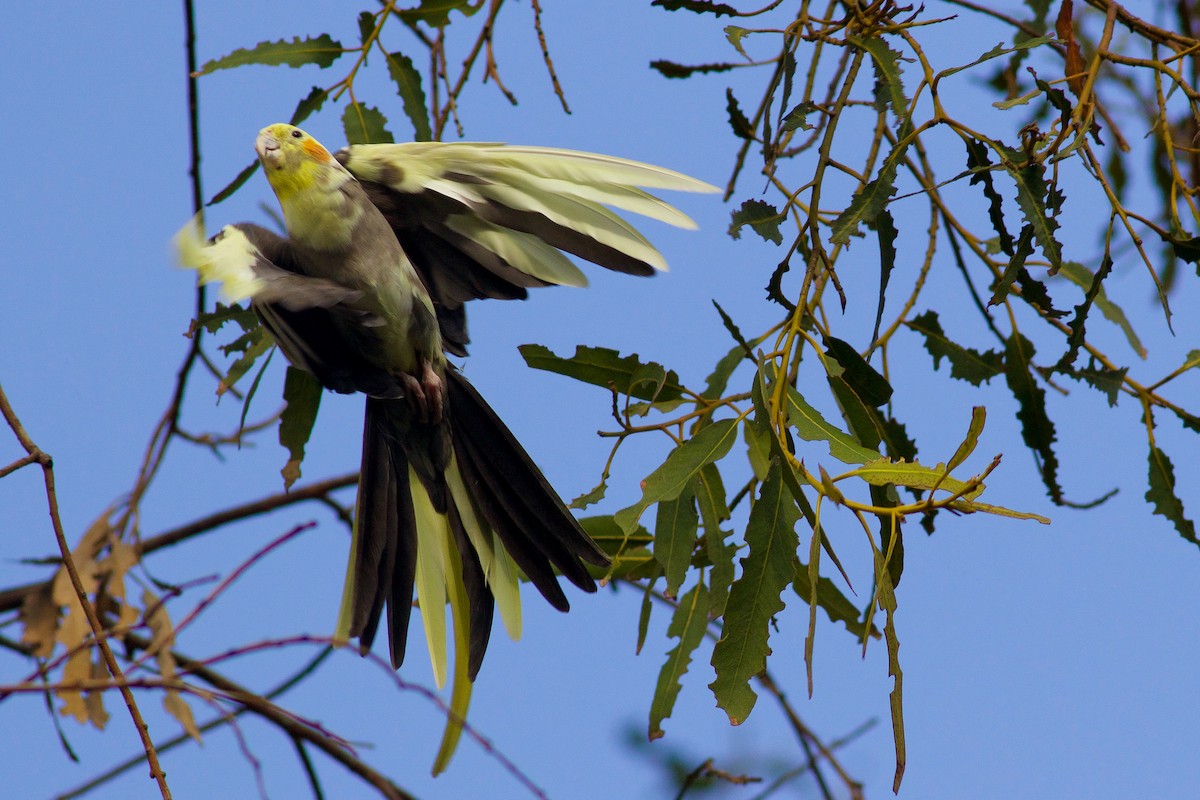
column 387, row 537
column 479, row 596
column 533, row 523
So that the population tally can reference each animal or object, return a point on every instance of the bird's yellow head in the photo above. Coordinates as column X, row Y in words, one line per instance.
column 293, row 161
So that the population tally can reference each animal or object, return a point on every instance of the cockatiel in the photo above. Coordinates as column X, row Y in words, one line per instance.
column 385, row 243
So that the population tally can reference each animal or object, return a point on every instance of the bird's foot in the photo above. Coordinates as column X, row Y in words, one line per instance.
column 425, row 394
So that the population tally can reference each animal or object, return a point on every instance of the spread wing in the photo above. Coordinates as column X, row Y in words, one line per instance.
column 492, row 220
column 316, row 323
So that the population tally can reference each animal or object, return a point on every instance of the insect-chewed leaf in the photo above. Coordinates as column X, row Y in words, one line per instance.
column 797, row 118
column 669, row 69
column 698, row 7
column 320, row 50
column 412, row 94
column 252, row 344
column 763, row 217
column 997, row 51
column 1037, row 200
column 1163, row 496
column 302, row 393
column 1036, row 428
column 1081, row 276
column 591, row 497
column 755, row 597
column 870, row 201
column 980, row 165
column 437, row 12
column 737, row 120
column 675, row 538
column 677, row 471
column 365, row 125
column 245, row 317
column 965, row 363
column 601, row 366
column 688, row 625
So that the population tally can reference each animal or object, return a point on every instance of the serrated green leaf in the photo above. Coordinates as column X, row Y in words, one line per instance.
column 320, row 50
column 980, row 166
column 365, row 125
column 591, row 497
column 889, row 86
column 763, row 217
column 1034, row 199
column 436, row 13
column 1015, row 266
column 831, row 600
column 302, row 393
column 412, row 94
column 737, row 120
column 244, row 316
column 870, row 201
column 1102, row 379
column 697, row 7
column 965, row 363
column 669, row 69
column 755, row 597
column 688, row 625
column 886, row 597
column 734, row 35
column 1081, row 276
column 797, row 118
column 1163, row 497
column 885, row 230
column 309, row 105
column 629, row 552
column 1036, row 428
column 601, row 366
column 684, row 462
column 675, row 528
column 366, row 26
column 252, row 344
column 710, row 498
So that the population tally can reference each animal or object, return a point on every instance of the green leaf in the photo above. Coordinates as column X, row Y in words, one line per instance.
column 870, row 201
column 629, row 552
column 758, row 448
column 914, row 476
column 1036, row 428
column 864, row 379
column 436, row 13
column 965, row 364
column 238, row 181
column 737, row 120
column 1015, row 266
column 252, row 344
column 302, row 393
column 365, row 125
column 674, row 474
column 669, row 69
column 590, row 498
column 797, row 118
column 697, row 7
column 830, row 599
column 320, row 50
column 741, row 653
column 601, row 366
column 995, row 52
column 309, row 105
column 710, row 497
column 412, row 94
column 1163, row 496
column 675, row 538
column 244, row 316
column 886, row 597
column 888, row 85
column 763, row 217
column 978, row 418
column 1081, row 276
column 885, row 229
column 812, row 427
column 1036, row 200
column 1102, row 379
column 688, row 625
column 366, row 26
column 734, row 35
column 980, row 166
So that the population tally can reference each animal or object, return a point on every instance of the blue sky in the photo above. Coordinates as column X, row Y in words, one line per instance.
column 1039, row 661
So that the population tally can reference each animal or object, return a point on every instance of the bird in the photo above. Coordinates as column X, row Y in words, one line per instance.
column 384, row 246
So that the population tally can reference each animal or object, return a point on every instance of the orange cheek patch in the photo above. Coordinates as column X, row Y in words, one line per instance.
column 316, row 151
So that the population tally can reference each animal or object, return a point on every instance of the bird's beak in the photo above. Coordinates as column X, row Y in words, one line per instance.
column 267, row 146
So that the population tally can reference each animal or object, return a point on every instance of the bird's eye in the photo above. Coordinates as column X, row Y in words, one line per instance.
column 297, row 134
